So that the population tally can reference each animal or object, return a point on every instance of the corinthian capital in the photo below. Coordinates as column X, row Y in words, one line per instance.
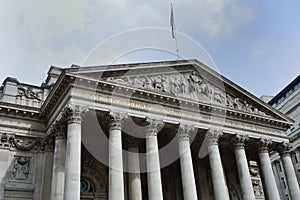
column 60, row 129
column 284, row 149
column 115, row 120
column 239, row 141
column 185, row 131
column 213, row 136
column 263, row 145
column 153, row 126
column 74, row 113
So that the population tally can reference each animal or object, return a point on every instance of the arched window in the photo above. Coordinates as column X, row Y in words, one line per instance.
column 86, row 186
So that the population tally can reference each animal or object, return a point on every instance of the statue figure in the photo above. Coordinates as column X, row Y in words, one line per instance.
column 194, row 82
column 164, row 84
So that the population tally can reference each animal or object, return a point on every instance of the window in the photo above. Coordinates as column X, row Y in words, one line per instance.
column 86, row 186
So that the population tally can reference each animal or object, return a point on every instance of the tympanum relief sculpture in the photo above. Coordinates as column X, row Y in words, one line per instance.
column 189, row 85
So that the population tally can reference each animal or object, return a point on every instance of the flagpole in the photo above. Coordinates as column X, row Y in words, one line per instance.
column 176, row 42
column 174, row 31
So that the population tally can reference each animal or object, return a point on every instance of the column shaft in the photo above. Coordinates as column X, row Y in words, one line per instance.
column 134, row 178
column 244, row 175
column 73, row 161
column 116, row 179
column 218, row 177
column 270, row 186
column 153, row 169
column 217, row 173
column 186, row 165
column 268, row 176
column 243, row 169
column 289, row 171
column 73, row 151
column 152, row 159
column 58, row 173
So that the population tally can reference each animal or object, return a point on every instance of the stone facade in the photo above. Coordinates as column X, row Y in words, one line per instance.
column 287, row 101
column 164, row 130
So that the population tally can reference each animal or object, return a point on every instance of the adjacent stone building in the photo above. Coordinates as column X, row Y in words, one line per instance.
column 160, row 130
column 287, row 101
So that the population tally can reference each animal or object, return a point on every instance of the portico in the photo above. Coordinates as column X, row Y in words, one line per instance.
column 223, row 125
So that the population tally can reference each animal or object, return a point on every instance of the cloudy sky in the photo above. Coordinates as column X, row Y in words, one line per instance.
column 254, row 43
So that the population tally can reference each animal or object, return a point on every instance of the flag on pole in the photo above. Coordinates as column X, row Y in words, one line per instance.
column 172, row 22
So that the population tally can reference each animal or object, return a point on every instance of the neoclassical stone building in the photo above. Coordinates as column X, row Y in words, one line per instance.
column 160, row 130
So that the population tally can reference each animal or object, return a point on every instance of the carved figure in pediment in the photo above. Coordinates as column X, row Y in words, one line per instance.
column 239, row 104
column 147, row 82
column 183, row 85
column 118, row 80
column 229, row 100
column 194, row 81
column 203, row 88
column 21, row 168
column 250, row 108
column 174, row 84
column 137, row 82
column 157, row 83
column 164, row 84
column 218, row 97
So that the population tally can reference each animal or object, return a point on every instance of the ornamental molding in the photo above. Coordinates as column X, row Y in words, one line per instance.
column 185, row 132
column 16, row 142
column 74, row 113
column 115, row 120
column 284, row 149
column 58, row 130
column 153, row 126
column 239, row 141
column 28, row 93
column 190, row 85
column 212, row 136
column 263, row 145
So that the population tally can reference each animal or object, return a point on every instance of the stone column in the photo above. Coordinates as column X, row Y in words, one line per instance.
column 271, row 190
column 242, row 166
column 58, row 171
column 116, row 179
column 186, row 163
column 284, row 150
column 134, row 178
column 73, row 151
column 217, row 173
column 152, row 158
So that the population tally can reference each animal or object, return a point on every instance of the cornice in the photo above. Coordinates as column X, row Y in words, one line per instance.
column 19, row 110
column 58, row 92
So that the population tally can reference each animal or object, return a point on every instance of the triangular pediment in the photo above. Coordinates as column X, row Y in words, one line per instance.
column 190, row 80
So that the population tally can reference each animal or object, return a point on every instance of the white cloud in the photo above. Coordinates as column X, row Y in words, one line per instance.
column 36, row 34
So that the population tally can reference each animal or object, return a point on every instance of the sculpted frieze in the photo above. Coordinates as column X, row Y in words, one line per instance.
column 189, row 85
column 11, row 141
column 28, row 93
